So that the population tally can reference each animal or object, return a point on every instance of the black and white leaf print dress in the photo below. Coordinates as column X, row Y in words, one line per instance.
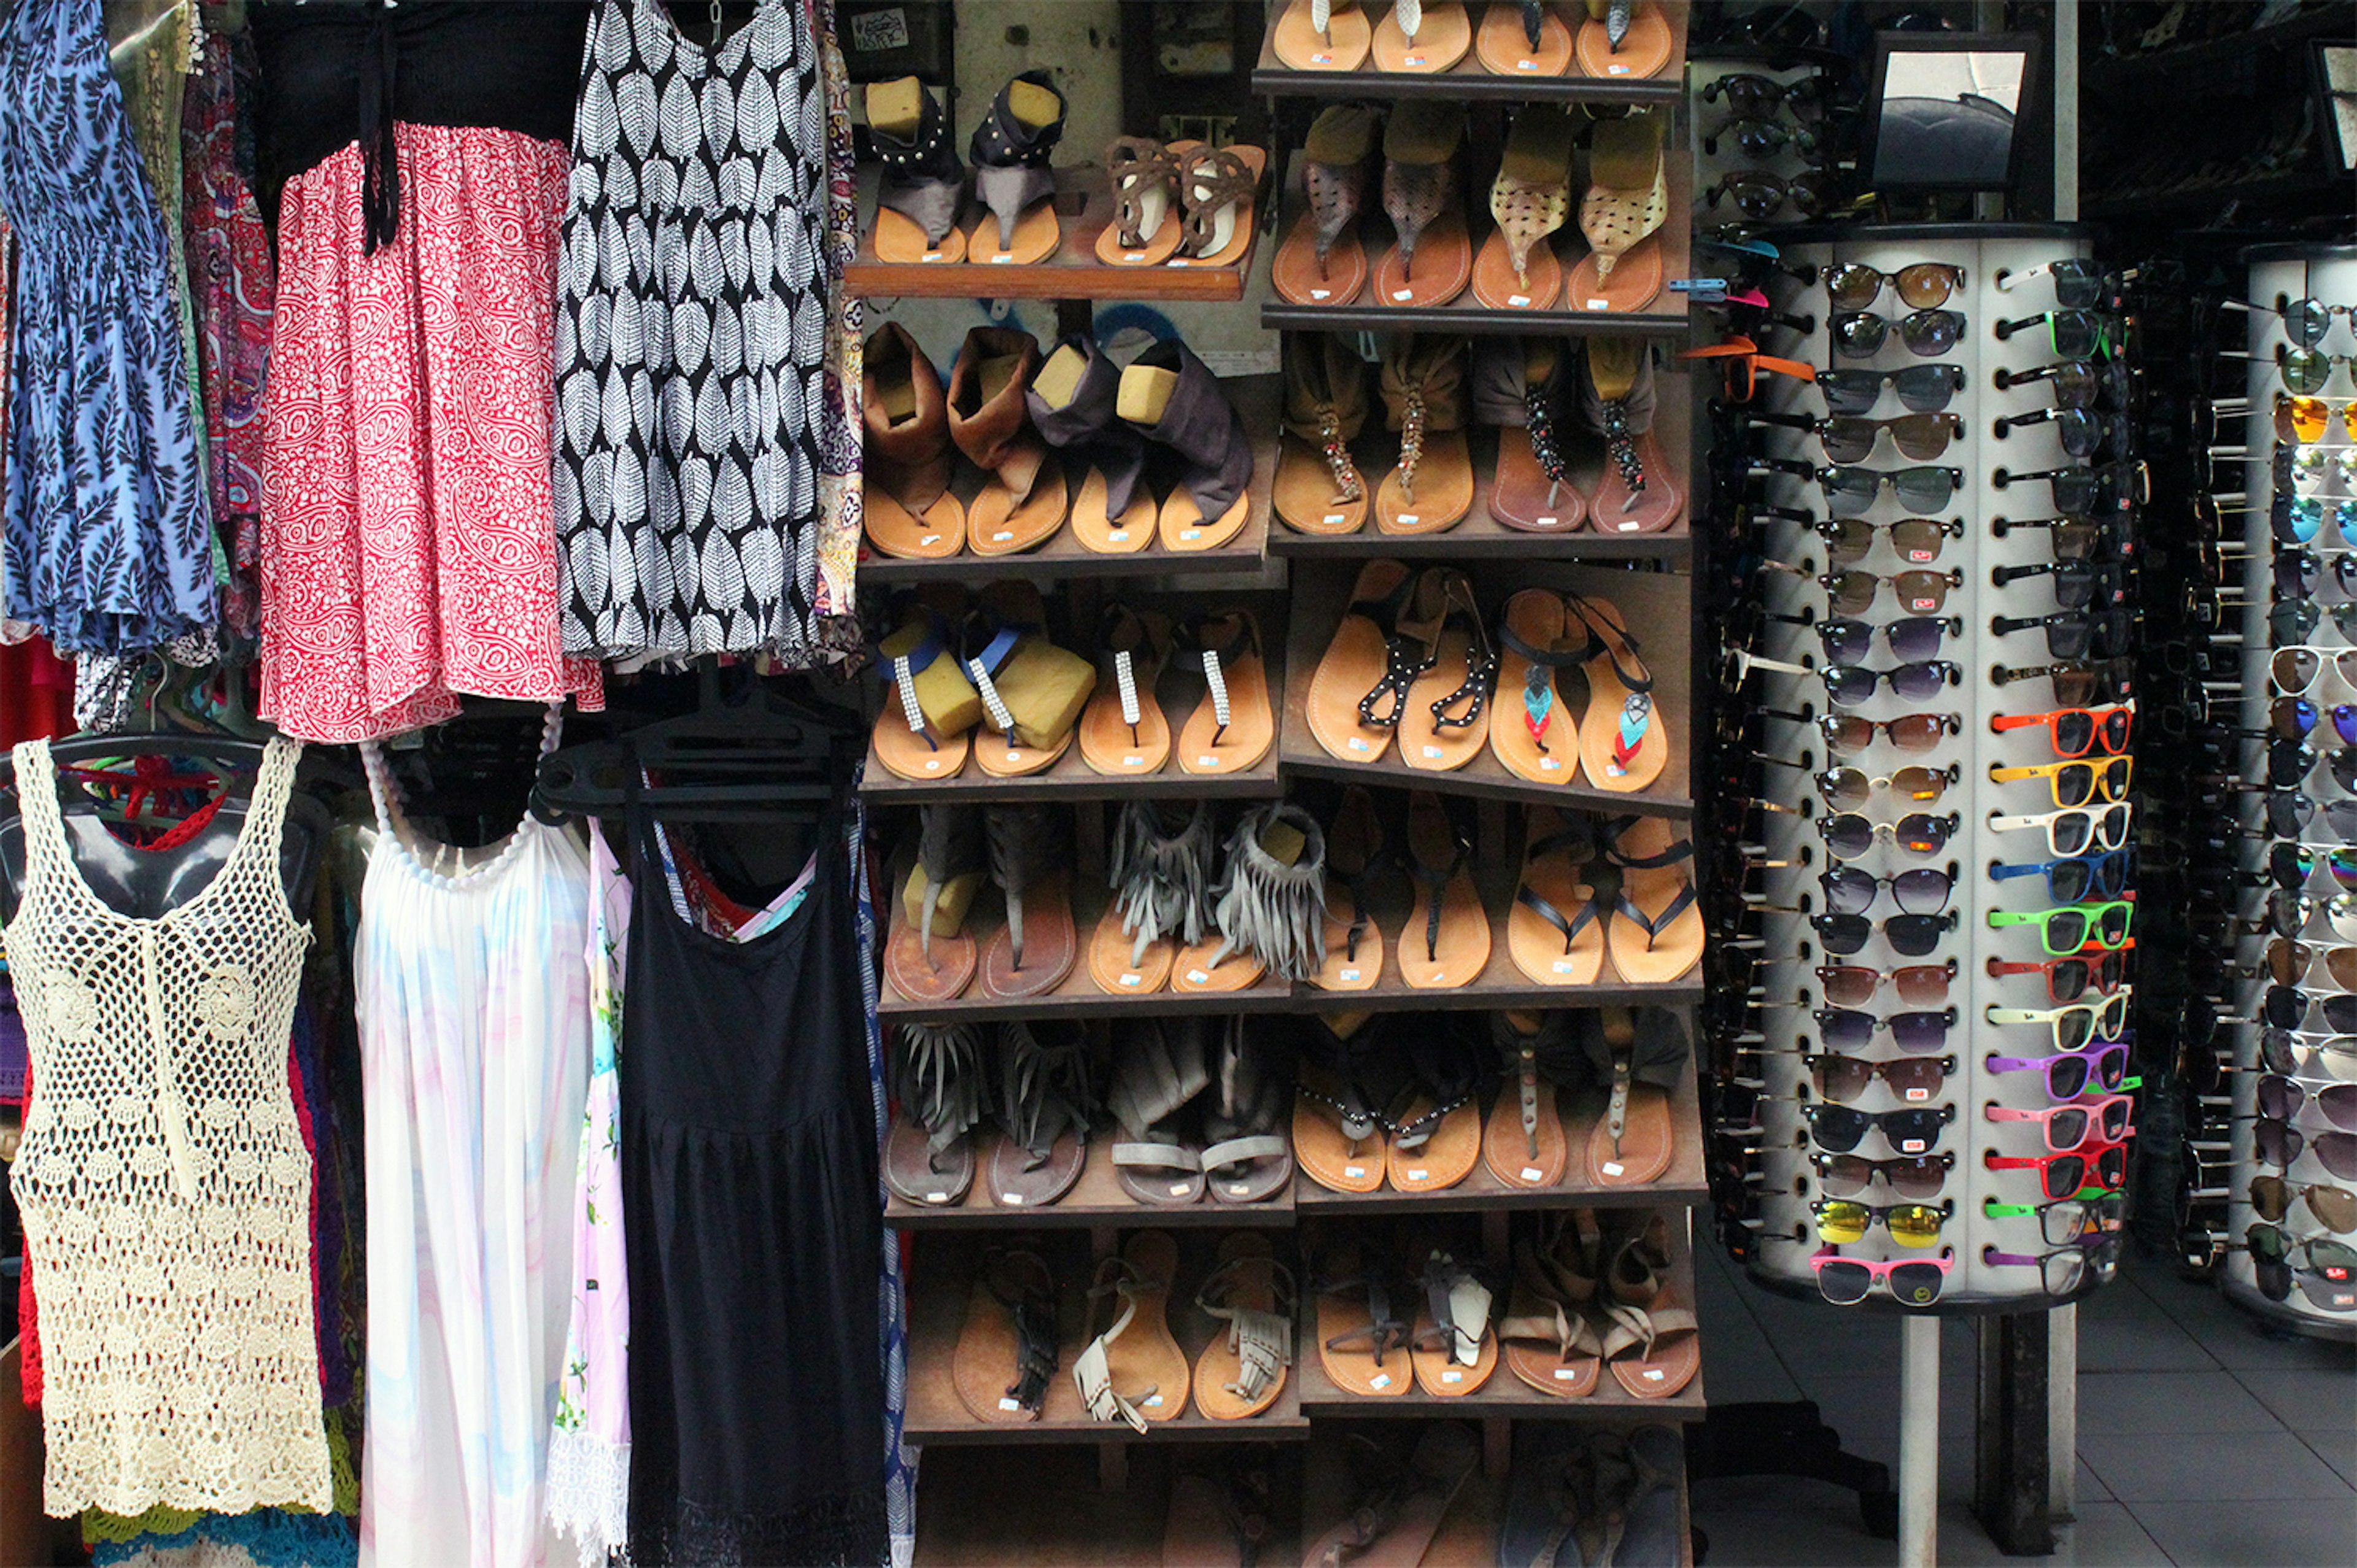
column 690, row 337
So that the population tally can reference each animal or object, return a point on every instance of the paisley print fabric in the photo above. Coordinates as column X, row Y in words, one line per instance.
column 109, row 530
column 691, row 339
column 407, row 553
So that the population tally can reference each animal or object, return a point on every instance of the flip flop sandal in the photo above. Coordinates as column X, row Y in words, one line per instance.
column 1032, row 692
column 1337, row 1137
column 1632, row 1142
column 1174, row 401
column 1245, row 1157
column 1322, row 35
column 1431, row 260
column 1531, row 200
column 1437, row 1135
column 922, row 184
column 1554, row 933
column 1627, row 201
column 937, row 1082
column 1447, row 723
column 1213, row 1523
column 925, row 730
column 1422, row 37
column 1355, row 851
column 1035, row 949
column 1268, row 907
column 1321, row 261
column 1431, row 488
column 1123, row 732
column 1135, row 1371
column 1218, row 188
column 1361, row 1343
column 1640, row 493
column 928, row 955
column 1144, row 173
column 1072, row 403
column 1525, row 39
column 1234, row 726
column 1664, row 945
column 1547, row 1500
column 1647, row 1319
column 1317, row 488
column 1359, row 688
column 1531, row 731
column 1242, row 1372
column 1043, row 1110
column 910, row 512
column 1154, row 1079
column 1161, row 879
column 1524, row 1143
column 1022, row 502
column 1515, row 388
column 1445, row 942
column 1010, row 1327
column 1621, row 747
column 1009, row 152
column 1396, row 1520
column 1550, row 1343
column 1624, row 39
column 1453, row 1350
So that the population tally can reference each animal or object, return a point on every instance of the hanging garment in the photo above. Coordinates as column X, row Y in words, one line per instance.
column 692, row 337
column 474, row 1015
column 164, row 1179
column 754, row 1226
column 109, row 533
column 407, row 552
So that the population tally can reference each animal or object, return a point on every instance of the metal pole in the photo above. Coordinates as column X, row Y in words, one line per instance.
column 2066, row 129
column 1918, row 1441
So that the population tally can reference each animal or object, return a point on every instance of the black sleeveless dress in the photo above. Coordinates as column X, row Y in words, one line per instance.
column 754, row 1224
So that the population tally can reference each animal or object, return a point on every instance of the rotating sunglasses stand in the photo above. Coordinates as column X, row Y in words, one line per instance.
column 1785, row 892
column 2315, row 1304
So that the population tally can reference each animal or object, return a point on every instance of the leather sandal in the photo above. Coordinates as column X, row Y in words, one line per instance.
column 1010, row 1327
column 1267, row 907
column 1032, row 692
column 1627, row 201
column 1554, row 933
column 1525, row 38
column 1218, row 1520
column 928, row 955
column 1445, row 942
column 937, row 1083
column 1135, row 1371
column 1531, row 200
column 1173, row 400
column 1338, row 1135
column 1158, row 1069
column 1435, row 1130
column 1432, row 259
column 1072, row 400
column 910, row 512
column 1355, row 851
column 1532, row 731
column 1550, row 1342
column 1242, row 1372
column 925, row 730
column 1021, row 503
column 1234, row 726
column 1518, row 387
column 1317, row 488
column 1217, row 189
column 1032, row 953
column 1322, row 35
column 1656, row 933
column 1144, row 230
column 1525, row 1142
column 1446, row 723
column 1321, row 261
column 1245, row 1157
column 1009, row 152
column 1422, row 37
column 1640, row 493
column 1653, row 1343
column 1632, row 1142
column 1624, row 39
column 1161, row 879
column 1124, row 733
column 1359, row 689
column 1431, row 488
column 1622, row 745
column 1402, row 1507
column 1361, row 1340
column 922, row 184
column 1044, row 1110
column 1452, row 1349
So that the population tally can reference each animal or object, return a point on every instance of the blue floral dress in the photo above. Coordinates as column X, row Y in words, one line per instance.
column 108, row 525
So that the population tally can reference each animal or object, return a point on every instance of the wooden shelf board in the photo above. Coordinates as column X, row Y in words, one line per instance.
column 1097, row 1198
column 1470, row 81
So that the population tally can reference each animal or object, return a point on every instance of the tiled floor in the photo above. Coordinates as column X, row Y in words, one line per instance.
column 2203, row 1440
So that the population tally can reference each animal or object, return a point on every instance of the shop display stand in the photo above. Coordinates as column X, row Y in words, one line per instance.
column 2279, row 273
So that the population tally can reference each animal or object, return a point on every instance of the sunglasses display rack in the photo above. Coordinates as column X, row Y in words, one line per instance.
column 1925, row 1085
column 2292, row 1185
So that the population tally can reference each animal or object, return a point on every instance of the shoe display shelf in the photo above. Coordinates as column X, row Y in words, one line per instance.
column 1470, row 80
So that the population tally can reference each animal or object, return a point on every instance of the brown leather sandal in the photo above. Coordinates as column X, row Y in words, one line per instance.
column 1359, row 689
column 1550, row 1342
column 1621, row 215
column 1032, row 692
column 1422, row 37
column 1242, row 1372
column 1657, row 932
column 1525, row 39
column 1531, row 200
column 1632, row 1142
column 937, row 1085
column 1432, row 259
column 1321, row 261
column 1445, row 942
column 1623, row 745
column 1451, row 1349
column 1218, row 190
column 1624, row 40
column 1322, row 35
column 1317, row 488
column 1640, row 493
column 1035, row 949
column 1446, row 725
column 1022, row 504
column 1135, row 1371
column 1355, row 852
column 1144, row 178
column 1172, row 399
column 1073, row 404
column 1045, row 1109
column 1431, row 489
column 928, row 955
column 1235, row 724
column 1010, row 1328
column 922, row 184
column 1517, row 387
column 910, row 511
column 1525, row 1142
column 1647, row 1318
column 1555, row 931
column 1361, row 1340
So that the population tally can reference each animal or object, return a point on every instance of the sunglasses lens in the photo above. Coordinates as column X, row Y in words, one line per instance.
column 1844, row 1282
column 2280, row 1098
column 1837, row 1128
column 1916, row 638
column 2338, row 1151
column 1921, row 833
column 1919, row 1032
column 2065, row 1175
column 1849, row 440
column 1840, row 1222
column 1925, row 892
column 2326, row 1294
column 1847, row 985
column 1924, row 489
column 1918, row 681
column 1914, row 1225
column 2077, row 334
column 1848, row 891
column 2306, row 370
column 1924, row 389
column 1846, row 642
column 2066, row 981
column 1925, row 435
column 1915, row 1081
column 2066, row 1078
column 2277, row 1143
column 2074, row 490
column 2293, row 717
column 1853, row 287
column 2270, row 1197
column 1926, row 283
column 2067, row 1128
column 1921, row 985
column 1921, row 593
column 1930, row 332
column 2335, row 1208
column 1913, row 935
column 1842, row 934
column 1916, row 731
column 1860, row 334
column 1917, row 1284
column 1848, row 686
column 2076, row 384
column 1847, row 788
column 1918, row 539
column 2307, row 321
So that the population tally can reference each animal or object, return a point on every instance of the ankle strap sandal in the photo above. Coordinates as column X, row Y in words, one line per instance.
column 1141, row 169
column 1449, row 595
column 1404, row 658
column 1022, row 1283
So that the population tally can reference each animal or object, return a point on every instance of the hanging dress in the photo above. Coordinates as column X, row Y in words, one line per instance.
column 108, row 532
column 163, row 1179
column 691, row 340
column 754, row 1227
column 408, row 551
column 473, row 1004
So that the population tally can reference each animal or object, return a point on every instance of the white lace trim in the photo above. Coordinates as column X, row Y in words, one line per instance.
column 589, row 1492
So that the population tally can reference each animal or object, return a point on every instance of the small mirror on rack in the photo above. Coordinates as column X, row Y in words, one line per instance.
column 1945, row 108
column 2336, row 80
